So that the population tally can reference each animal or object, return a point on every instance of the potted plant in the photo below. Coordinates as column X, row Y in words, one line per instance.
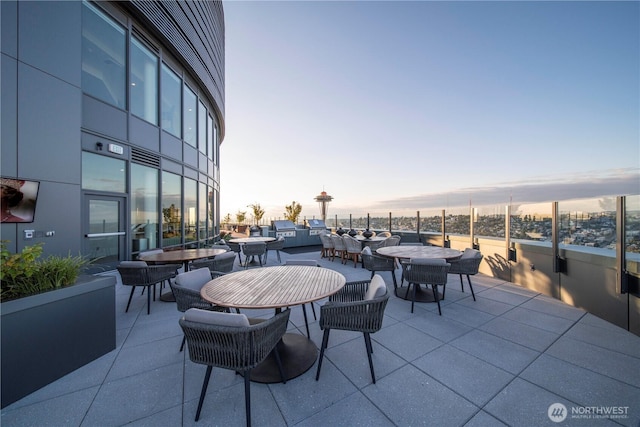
column 258, row 213
column 240, row 217
column 54, row 319
column 293, row 212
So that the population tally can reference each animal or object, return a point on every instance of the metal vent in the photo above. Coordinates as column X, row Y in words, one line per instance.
column 145, row 158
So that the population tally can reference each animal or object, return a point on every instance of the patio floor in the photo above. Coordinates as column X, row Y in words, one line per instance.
column 501, row 360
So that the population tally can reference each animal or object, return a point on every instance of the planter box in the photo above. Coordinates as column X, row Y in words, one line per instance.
column 48, row 335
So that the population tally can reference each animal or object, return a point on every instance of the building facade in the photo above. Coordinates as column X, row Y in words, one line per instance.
column 115, row 110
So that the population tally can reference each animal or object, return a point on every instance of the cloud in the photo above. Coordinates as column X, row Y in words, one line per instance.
column 589, row 184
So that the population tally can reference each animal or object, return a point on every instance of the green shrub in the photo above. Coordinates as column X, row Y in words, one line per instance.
column 23, row 274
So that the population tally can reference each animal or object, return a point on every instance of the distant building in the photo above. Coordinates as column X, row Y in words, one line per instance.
column 117, row 110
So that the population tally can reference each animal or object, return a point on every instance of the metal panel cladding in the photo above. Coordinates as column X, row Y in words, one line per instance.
column 194, row 32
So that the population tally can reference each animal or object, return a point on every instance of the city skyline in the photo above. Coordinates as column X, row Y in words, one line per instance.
column 403, row 106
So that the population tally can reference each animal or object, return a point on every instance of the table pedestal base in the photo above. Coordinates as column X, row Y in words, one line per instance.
column 297, row 354
column 422, row 294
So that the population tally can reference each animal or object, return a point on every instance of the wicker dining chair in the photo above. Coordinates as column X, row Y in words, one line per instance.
column 276, row 245
column 230, row 341
column 253, row 250
column 338, row 248
column 327, row 246
column 468, row 264
column 358, row 306
column 186, row 288
column 426, row 271
column 353, row 248
column 375, row 263
column 384, row 234
column 138, row 273
column 236, row 248
column 223, row 262
column 391, row 241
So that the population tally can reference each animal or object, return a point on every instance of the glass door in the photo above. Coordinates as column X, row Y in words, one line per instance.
column 104, row 231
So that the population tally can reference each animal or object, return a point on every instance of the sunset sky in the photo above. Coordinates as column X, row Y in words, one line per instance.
column 406, row 106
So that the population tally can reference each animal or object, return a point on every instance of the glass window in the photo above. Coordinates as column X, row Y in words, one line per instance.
column 202, row 211
column 144, row 207
column 190, row 123
column 210, row 144
column 171, row 102
column 103, row 173
column 144, row 82
column 103, row 57
column 171, row 210
column 213, row 202
column 202, row 127
column 190, row 209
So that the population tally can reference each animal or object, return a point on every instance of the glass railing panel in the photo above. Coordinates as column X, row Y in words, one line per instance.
column 532, row 222
column 457, row 221
column 490, row 221
column 632, row 231
column 588, row 223
column 431, row 221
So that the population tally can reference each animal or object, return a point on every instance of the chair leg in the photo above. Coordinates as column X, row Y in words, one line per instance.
column 133, row 288
column 279, row 260
column 435, row 295
column 149, row 298
column 247, row 395
column 306, row 322
column 413, row 299
column 395, row 282
column 184, row 339
column 471, row 287
column 325, row 341
column 205, row 384
column 461, row 283
column 367, row 341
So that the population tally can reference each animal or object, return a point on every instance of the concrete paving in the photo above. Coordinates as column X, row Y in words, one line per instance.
column 513, row 357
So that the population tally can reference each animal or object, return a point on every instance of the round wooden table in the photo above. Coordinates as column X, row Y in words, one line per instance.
column 408, row 252
column 277, row 287
column 182, row 255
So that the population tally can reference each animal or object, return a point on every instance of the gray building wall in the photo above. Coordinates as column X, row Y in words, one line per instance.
column 46, row 120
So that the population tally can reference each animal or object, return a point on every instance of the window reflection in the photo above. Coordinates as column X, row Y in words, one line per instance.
column 190, row 210
column 144, row 82
column 171, row 102
column 103, row 173
column 189, row 114
column 202, row 211
column 144, row 207
column 202, row 127
column 103, row 57
column 171, row 210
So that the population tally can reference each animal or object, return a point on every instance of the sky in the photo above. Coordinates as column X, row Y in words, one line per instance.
column 393, row 106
